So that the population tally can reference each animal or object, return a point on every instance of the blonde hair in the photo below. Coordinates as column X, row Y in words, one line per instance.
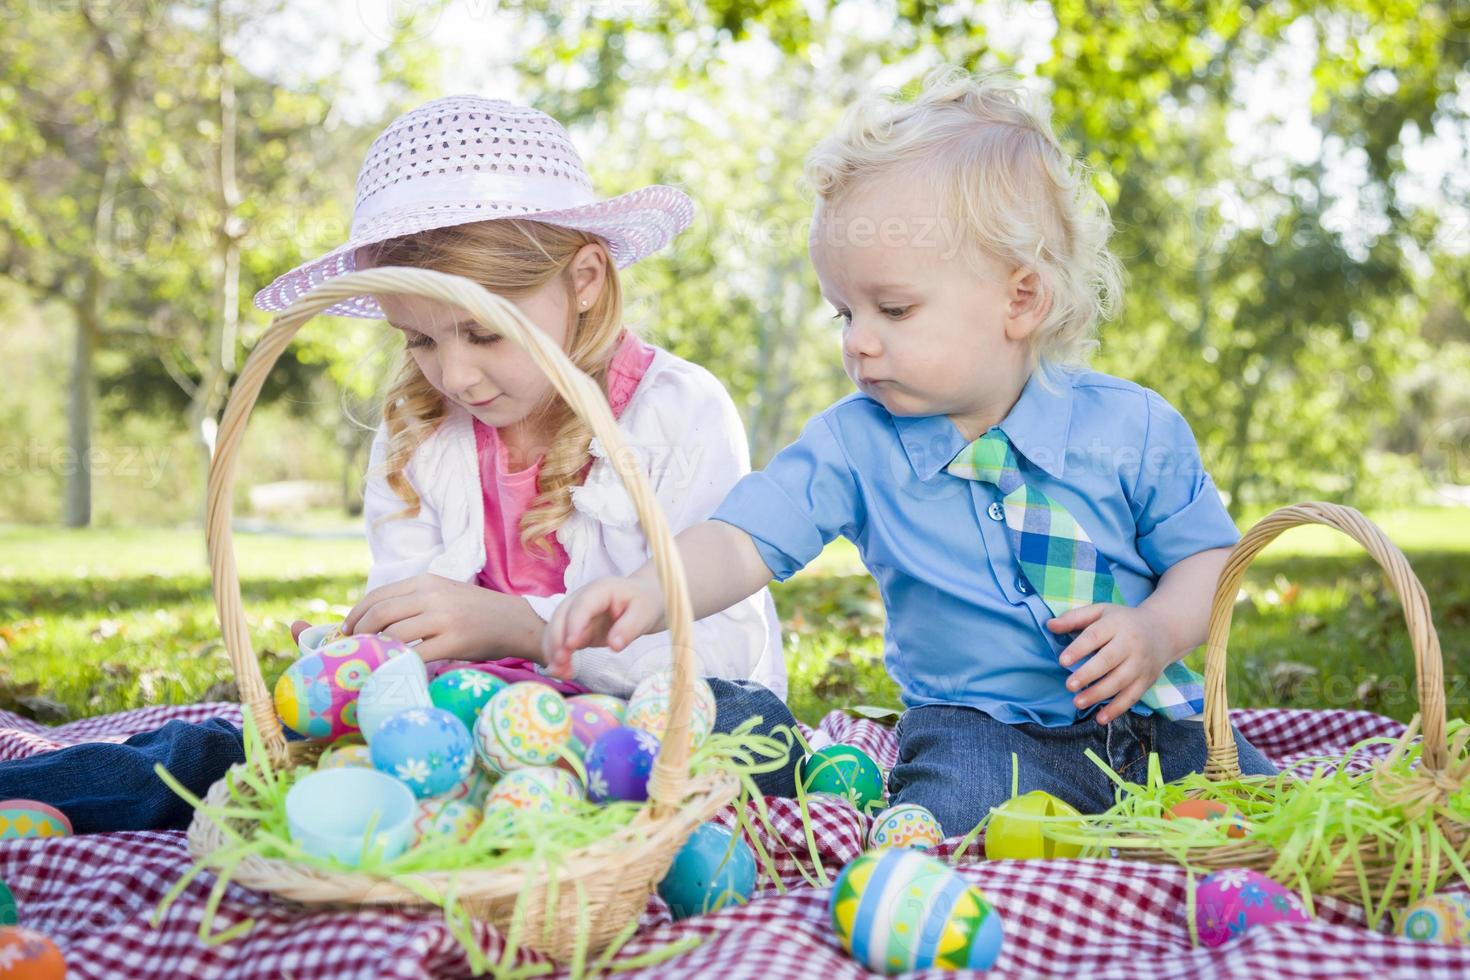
column 997, row 165
column 511, row 257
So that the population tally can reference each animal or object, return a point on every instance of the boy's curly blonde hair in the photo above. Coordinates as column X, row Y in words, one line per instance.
column 999, row 170
column 512, row 257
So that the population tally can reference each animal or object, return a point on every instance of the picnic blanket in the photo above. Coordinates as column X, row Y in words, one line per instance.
column 95, row 895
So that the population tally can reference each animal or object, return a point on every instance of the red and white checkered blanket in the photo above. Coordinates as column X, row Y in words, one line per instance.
column 94, row 897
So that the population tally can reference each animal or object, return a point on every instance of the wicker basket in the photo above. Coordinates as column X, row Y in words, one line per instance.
column 1431, row 784
column 616, row 875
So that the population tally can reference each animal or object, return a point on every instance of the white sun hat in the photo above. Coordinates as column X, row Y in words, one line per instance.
column 464, row 158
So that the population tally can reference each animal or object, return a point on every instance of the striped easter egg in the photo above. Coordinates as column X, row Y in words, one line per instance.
column 900, row 910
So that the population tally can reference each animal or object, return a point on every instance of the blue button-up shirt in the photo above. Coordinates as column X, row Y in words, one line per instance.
column 964, row 627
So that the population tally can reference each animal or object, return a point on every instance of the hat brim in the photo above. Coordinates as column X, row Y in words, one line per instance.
column 634, row 225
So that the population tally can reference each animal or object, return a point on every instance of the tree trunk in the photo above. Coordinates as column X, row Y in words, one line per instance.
column 77, row 499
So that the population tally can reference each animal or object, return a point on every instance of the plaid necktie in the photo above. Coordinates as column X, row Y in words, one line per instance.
column 1059, row 560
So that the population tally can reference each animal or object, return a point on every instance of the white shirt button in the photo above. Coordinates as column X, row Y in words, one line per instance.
column 996, row 511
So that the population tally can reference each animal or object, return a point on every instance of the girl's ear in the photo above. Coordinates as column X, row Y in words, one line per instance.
column 1027, row 303
column 589, row 274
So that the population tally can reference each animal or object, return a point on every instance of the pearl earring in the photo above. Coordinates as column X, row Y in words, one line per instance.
column 584, row 304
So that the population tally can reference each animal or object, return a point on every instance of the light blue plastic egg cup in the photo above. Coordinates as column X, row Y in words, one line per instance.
column 329, row 812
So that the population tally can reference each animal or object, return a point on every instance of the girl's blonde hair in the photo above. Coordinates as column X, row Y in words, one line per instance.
column 511, row 257
column 1003, row 179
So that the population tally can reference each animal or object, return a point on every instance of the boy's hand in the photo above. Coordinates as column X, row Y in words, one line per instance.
column 455, row 620
column 610, row 612
column 1129, row 650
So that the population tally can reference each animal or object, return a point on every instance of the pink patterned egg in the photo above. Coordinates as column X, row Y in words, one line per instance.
column 613, row 705
column 317, row 695
column 1229, row 902
column 526, row 724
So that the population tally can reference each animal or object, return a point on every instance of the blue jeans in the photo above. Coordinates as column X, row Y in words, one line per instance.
column 957, row 761
column 103, row 786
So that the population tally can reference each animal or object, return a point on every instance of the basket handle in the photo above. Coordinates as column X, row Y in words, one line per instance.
column 1223, row 759
column 667, row 783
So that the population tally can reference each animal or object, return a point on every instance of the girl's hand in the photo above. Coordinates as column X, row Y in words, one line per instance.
column 1129, row 650
column 610, row 612
column 454, row 620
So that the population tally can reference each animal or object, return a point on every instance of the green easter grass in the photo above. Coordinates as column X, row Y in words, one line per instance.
column 254, row 823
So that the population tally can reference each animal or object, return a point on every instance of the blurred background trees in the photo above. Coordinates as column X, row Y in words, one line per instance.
column 1289, row 181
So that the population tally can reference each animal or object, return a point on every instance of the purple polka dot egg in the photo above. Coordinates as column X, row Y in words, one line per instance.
column 619, row 764
column 651, row 703
column 317, row 695
column 426, row 748
column 1229, row 902
column 591, row 719
column 526, row 724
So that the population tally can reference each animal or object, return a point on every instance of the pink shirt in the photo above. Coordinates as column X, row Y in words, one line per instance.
column 509, row 567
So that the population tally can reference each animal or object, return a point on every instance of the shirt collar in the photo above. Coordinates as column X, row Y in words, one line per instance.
column 1037, row 426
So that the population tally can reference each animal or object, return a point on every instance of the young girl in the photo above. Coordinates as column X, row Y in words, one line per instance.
column 487, row 499
column 1045, row 537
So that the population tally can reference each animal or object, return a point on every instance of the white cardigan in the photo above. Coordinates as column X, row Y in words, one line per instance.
column 685, row 430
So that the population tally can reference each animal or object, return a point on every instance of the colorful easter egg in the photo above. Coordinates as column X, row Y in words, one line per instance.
column 1208, row 810
column 317, row 695
column 900, row 910
column 350, row 814
column 905, row 825
column 9, row 911
column 31, row 818
column 650, row 704
column 440, row 817
column 427, row 748
column 465, row 692
column 614, row 706
column 1229, row 902
column 525, row 724
column 591, row 719
column 343, row 756
column 713, row 869
column 532, row 789
column 1018, row 828
column 397, row 685
column 28, row 955
column 472, row 789
column 1443, row 918
column 619, row 764
column 845, row 771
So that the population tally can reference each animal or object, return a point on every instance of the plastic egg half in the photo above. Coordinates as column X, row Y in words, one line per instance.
column 317, row 695
column 428, row 749
column 397, row 685
column 465, row 692
column 526, row 724
column 329, row 813
column 1209, row 811
column 845, row 771
column 905, row 825
column 1229, row 902
column 713, row 869
column 901, row 910
column 1017, row 828
column 1439, row 919
column 619, row 764
column 650, row 704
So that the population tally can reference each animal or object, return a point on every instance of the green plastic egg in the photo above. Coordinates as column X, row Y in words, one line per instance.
column 1016, row 829
column 845, row 771
column 899, row 910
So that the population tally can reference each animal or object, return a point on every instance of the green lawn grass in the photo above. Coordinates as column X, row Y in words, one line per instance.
column 101, row 620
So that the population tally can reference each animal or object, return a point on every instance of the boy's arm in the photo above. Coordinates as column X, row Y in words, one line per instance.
column 1180, row 603
column 721, row 564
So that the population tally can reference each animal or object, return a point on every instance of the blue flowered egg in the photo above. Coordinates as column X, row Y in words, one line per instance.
column 619, row 764
column 427, row 748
